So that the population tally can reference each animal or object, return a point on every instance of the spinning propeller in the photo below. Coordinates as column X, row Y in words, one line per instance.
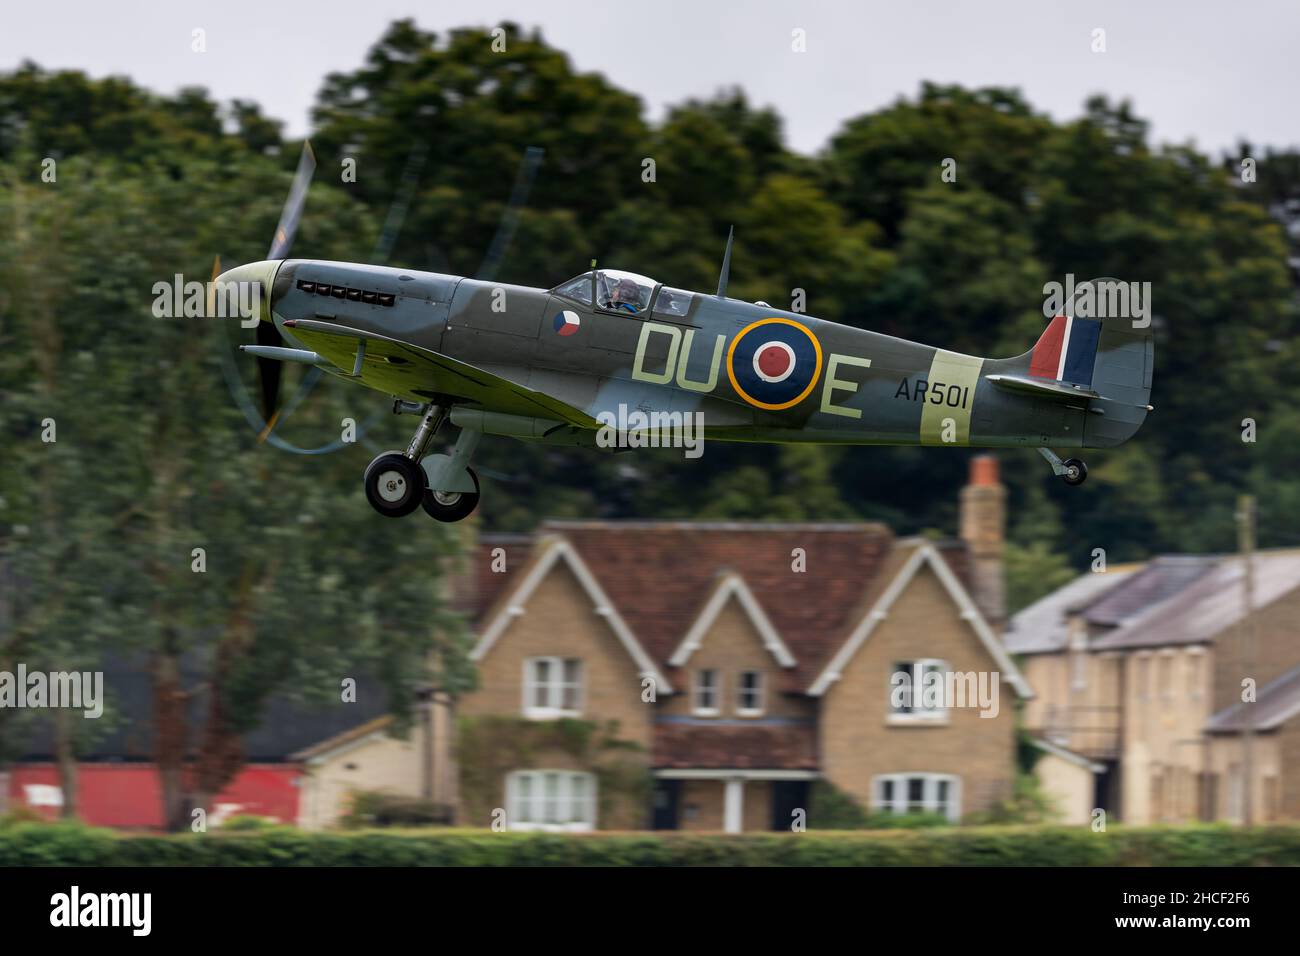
column 269, row 370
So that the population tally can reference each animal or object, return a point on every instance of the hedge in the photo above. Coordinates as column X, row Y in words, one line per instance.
column 57, row 844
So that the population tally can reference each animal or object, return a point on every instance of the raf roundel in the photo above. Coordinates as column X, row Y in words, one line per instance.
column 566, row 322
column 774, row 363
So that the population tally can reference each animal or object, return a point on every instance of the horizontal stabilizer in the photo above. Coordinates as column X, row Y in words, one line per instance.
column 1048, row 388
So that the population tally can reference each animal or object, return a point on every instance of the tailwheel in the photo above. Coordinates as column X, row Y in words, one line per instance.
column 451, row 505
column 1076, row 472
column 394, row 485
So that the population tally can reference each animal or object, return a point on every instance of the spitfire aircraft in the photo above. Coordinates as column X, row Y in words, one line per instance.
column 553, row 365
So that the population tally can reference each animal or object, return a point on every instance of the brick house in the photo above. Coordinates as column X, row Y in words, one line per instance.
column 702, row 675
column 1140, row 671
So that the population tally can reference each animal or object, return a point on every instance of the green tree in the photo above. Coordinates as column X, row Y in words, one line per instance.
column 196, row 546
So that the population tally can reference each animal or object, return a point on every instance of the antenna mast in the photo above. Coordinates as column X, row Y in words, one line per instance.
column 726, row 266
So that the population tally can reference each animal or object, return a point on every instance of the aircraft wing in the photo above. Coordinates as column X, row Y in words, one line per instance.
column 419, row 374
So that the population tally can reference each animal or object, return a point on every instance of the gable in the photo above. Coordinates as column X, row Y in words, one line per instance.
column 568, row 593
column 924, row 602
column 808, row 577
column 729, row 615
column 922, row 623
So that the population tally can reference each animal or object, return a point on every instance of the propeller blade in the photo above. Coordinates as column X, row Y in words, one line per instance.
column 212, row 285
column 269, row 372
column 401, row 202
column 510, row 218
column 292, row 212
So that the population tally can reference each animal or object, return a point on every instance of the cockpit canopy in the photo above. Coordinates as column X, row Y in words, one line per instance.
column 626, row 293
column 623, row 291
column 578, row 288
column 615, row 290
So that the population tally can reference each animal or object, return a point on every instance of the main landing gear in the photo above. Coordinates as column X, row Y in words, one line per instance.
column 397, row 483
column 1072, row 471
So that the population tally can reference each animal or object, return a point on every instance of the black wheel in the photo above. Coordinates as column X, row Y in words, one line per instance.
column 394, row 485
column 451, row 505
column 378, row 458
column 1076, row 472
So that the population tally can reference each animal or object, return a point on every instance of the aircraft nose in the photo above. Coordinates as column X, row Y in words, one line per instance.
column 245, row 291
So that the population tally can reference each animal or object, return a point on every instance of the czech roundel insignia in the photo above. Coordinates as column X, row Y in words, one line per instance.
column 774, row 363
column 566, row 322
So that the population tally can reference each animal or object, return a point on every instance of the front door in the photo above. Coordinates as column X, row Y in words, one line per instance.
column 787, row 797
column 665, row 803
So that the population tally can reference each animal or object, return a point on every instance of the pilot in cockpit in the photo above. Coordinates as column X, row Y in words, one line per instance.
column 627, row 296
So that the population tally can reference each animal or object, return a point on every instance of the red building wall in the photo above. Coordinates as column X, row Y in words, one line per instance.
column 130, row 795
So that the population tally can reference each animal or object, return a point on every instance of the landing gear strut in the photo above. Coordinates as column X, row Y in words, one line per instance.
column 452, row 492
column 397, row 483
column 1072, row 471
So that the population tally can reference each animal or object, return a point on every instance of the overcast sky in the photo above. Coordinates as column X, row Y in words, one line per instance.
column 1209, row 72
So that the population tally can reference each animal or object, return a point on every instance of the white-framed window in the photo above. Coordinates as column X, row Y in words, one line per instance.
column 749, row 694
column 552, row 687
column 917, row 793
column 909, row 697
column 550, row 800
column 705, row 693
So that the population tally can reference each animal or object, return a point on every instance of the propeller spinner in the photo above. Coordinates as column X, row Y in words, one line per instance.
column 263, row 273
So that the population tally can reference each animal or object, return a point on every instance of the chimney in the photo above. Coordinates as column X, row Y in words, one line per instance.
column 983, row 532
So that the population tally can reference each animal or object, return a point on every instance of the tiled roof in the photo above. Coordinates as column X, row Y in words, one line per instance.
column 1276, row 702
column 351, row 735
column 735, row 746
column 1208, row 604
column 1173, row 599
column 477, row 585
column 660, row 574
column 286, row 725
column 1042, row 626
column 1161, row 579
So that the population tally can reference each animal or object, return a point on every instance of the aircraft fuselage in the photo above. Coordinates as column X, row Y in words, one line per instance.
column 753, row 372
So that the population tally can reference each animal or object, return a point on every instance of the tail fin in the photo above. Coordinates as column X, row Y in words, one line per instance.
column 1108, row 359
column 1067, row 351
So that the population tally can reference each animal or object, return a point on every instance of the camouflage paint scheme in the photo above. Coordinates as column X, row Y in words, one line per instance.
column 492, row 348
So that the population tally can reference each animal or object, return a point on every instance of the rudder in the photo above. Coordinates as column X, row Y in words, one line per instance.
column 1109, row 356
column 1067, row 350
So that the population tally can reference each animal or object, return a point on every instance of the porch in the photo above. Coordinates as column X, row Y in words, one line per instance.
column 730, row 801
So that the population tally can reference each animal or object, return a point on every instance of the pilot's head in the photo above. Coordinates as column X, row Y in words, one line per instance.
column 627, row 291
